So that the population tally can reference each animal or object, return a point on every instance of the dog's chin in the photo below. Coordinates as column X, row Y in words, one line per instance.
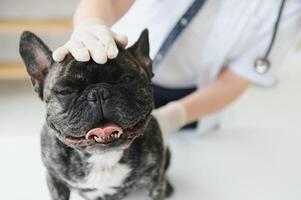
column 120, row 139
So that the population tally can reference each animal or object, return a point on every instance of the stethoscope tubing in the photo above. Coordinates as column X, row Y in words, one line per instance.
column 275, row 31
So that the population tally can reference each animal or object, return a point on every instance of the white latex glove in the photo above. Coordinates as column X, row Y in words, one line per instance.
column 94, row 39
column 170, row 117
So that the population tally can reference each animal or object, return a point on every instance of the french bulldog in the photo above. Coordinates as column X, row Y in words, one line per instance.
column 99, row 138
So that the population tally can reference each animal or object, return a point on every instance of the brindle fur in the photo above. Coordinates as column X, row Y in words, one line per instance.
column 126, row 104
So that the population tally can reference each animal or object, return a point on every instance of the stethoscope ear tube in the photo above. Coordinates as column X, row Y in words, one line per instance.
column 262, row 65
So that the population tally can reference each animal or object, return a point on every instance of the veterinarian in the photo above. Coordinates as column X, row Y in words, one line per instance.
column 206, row 53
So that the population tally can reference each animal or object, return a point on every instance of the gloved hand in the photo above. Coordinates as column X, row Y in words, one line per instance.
column 170, row 117
column 94, row 39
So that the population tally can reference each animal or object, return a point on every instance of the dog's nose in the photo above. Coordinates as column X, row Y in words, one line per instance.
column 105, row 132
column 103, row 93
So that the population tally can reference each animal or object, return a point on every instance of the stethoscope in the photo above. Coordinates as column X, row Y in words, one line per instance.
column 262, row 65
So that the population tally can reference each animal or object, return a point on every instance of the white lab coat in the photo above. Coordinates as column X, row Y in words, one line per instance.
column 240, row 33
column 246, row 33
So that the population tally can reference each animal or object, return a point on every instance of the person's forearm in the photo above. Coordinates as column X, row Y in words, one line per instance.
column 107, row 11
column 215, row 96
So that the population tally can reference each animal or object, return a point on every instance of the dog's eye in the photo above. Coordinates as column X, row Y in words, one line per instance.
column 63, row 91
column 127, row 78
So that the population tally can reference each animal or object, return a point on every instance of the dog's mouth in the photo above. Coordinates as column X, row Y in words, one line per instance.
column 106, row 135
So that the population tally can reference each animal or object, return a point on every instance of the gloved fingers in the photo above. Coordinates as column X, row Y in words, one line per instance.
column 96, row 50
column 105, row 36
column 110, row 46
column 121, row 40
column 60, row 53
column 78, row 50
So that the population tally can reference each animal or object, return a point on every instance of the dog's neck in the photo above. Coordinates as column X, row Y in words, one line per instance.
column 107, row 160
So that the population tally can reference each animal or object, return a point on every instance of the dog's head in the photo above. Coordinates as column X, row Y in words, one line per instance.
column 92, row 106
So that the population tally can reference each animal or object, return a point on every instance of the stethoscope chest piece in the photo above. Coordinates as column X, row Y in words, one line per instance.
column 262, row 65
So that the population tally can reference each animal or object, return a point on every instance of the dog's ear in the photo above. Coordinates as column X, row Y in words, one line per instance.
column 141, row 51
column 37, row 58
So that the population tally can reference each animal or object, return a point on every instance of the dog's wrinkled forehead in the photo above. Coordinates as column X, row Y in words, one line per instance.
column 40, row 65
column 91, row 72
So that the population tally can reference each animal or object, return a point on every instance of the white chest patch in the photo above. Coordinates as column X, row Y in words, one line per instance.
column 106, row 174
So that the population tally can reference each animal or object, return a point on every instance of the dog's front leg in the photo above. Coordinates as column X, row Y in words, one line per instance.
column 58, row 190
column 158, row 190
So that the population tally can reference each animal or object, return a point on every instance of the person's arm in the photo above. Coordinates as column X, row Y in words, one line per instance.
column 216, row 96
column 108, row 11
column 92, row 37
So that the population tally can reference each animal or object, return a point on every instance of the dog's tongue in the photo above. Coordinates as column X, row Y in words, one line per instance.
column 103, row 132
